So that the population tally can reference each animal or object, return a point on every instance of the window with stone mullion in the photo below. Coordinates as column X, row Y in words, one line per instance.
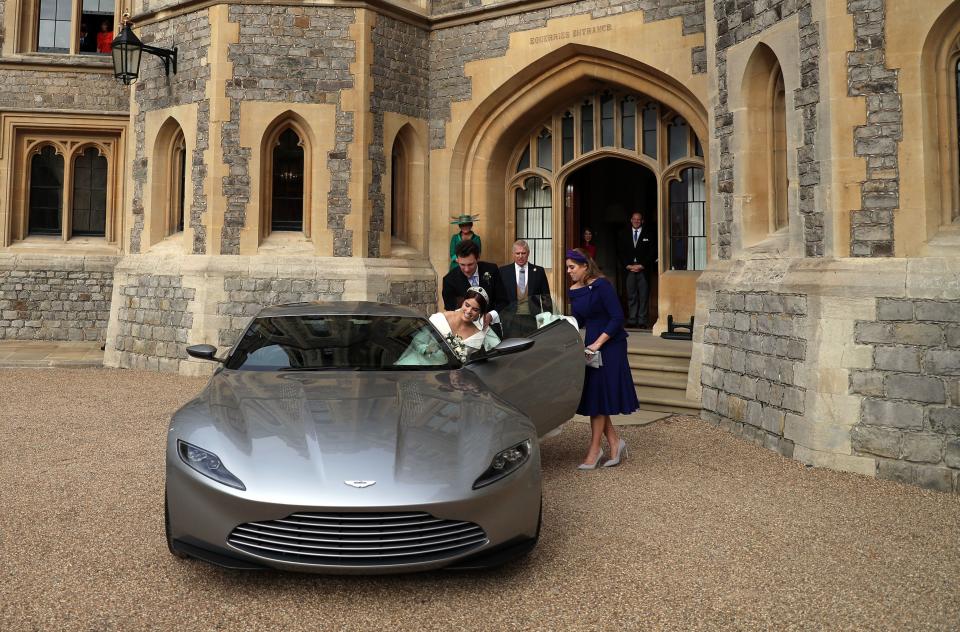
column 54, row 26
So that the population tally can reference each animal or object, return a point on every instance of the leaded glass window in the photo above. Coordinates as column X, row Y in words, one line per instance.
column 688, row 240
column 180, row 176
column 628, row 124
column 535, row 220
column 46, row 192
column 89, row 209
column 524, row 162
column 566, row 128
column 545, row 150
column 287, row 199
column 586, row 127
column 606, row 120
column 678, row 137
column 650, row 130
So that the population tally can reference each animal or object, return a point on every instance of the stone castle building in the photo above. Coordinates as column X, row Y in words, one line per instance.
column 798, row 160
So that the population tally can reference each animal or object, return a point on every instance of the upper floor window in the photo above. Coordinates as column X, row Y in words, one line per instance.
column 67, row 26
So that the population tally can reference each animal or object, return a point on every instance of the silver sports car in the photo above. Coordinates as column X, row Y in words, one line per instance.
column 348, row 438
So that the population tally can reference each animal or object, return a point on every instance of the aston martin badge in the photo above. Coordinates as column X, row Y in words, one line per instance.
column 360, row 484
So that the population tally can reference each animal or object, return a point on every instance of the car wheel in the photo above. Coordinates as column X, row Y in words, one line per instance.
column 166, row 530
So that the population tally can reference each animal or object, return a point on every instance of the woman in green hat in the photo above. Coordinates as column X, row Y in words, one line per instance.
column 465, row 221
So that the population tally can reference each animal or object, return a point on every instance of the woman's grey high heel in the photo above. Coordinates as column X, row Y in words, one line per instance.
column 621, row 454
column 591, row 466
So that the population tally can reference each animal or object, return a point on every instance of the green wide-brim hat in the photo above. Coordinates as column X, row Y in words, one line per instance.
column 464, row 219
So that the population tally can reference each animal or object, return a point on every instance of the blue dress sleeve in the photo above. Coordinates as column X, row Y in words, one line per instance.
column 611, row 305
column 576, row 313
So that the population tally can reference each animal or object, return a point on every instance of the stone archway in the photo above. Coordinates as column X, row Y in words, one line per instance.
column 483, row 152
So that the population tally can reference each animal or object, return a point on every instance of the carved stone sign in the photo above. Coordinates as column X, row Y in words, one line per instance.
column 571, row 34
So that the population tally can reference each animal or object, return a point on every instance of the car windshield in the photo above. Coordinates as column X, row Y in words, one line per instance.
column 340, row 342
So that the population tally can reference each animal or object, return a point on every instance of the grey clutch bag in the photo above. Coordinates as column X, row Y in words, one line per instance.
column 595, row 360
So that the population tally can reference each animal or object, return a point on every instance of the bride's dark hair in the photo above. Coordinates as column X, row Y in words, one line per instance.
column 479, row 298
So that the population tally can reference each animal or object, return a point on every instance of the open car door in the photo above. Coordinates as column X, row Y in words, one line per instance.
column 545, row 381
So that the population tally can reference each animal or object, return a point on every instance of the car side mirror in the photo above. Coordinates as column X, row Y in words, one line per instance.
column 203, row 352
column 506, row 347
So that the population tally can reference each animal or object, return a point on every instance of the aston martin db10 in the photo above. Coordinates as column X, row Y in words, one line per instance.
column 348, row 438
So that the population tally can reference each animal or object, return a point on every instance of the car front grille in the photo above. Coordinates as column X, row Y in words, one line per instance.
column 358, row 539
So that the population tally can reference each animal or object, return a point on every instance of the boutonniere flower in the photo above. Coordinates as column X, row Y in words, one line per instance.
column 486, row 277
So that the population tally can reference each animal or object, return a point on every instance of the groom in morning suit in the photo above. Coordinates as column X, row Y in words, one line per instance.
column 472, row 272
column 528, row 289
column 637, row 254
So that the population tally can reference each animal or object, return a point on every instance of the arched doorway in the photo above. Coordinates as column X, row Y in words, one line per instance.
column 604, row 155
column 601, row 195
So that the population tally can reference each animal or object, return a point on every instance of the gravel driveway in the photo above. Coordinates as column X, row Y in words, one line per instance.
column 696, row 530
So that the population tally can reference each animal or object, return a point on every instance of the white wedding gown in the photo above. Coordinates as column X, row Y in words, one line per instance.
column 424, row 352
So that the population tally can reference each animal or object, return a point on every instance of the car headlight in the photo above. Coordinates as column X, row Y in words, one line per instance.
column 208, row 464
column 504, row 463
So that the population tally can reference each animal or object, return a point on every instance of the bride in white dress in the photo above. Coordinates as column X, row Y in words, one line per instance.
column 463, row 328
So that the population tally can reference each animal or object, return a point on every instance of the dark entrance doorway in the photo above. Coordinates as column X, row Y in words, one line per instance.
column 601, row 196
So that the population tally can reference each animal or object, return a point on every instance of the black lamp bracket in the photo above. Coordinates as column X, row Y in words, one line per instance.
column 166, row 54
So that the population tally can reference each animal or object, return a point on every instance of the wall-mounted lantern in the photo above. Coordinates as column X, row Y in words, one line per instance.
column 127, row 50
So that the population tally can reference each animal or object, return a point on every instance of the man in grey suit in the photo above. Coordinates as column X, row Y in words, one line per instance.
column 527, row 288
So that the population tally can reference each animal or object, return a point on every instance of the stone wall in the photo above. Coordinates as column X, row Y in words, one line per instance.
column 400, row 71
column 736, row 23
column 294, row 55
column 754, row 348
column 55, row 298
column 245, row 297
column 156, row 91
column 154, row 318
column 30, row 89
column 910, row 416
column 871, row 227
column 801, row 354
column 452, row 48
column 421, row 295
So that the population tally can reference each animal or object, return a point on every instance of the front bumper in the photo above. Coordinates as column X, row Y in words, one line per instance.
column 202, row 514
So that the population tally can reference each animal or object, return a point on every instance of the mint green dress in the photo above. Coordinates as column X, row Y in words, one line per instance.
column 454, row 242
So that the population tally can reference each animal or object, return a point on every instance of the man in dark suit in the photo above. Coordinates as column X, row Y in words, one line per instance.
column 471, row 272
column 527, row 287
column 637, row 254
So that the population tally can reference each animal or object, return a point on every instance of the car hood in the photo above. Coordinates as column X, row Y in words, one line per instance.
column 295, row 438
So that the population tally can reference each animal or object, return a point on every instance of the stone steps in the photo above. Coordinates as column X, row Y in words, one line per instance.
column 660, row 379
column 659, row 368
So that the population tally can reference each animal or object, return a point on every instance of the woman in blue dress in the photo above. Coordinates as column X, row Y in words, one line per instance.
column 607, row 389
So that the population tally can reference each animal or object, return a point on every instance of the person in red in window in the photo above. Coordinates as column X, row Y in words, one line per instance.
column 104, row 38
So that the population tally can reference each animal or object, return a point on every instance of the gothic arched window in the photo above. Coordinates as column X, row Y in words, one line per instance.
column 46, row 193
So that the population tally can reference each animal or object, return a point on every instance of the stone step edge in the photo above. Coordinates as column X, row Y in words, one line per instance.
column 652, row 365
column 683, row 404
column 674, row 385
column 676, row 410
column 659, row 353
